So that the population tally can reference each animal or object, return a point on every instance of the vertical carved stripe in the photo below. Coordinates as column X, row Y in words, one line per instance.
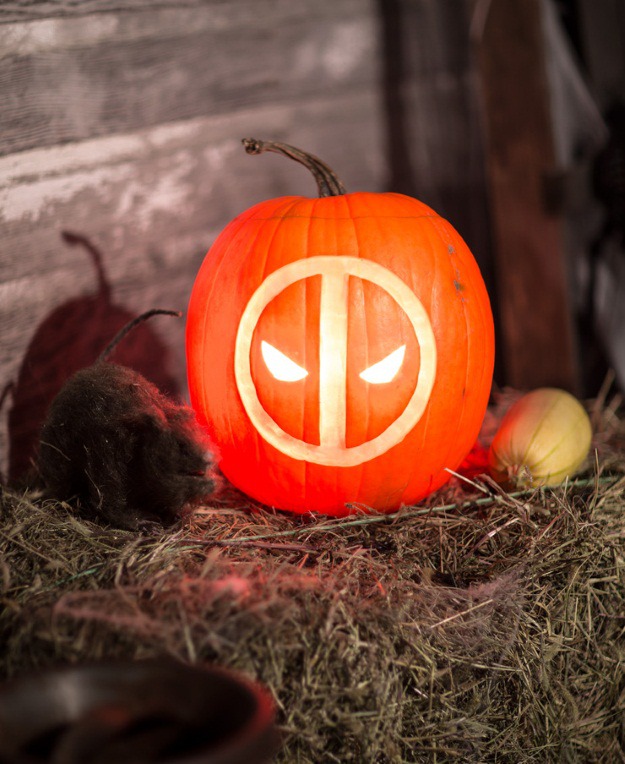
column 333, row 358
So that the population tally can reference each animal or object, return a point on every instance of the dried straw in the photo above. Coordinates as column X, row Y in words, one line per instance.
column 480, row 627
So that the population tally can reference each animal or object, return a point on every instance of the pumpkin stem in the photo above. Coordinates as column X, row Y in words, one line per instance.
column 327, row 182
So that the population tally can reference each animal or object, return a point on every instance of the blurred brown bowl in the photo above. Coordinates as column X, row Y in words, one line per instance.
column 135, row 712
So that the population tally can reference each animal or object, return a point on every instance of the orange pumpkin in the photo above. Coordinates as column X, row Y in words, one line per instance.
column 340, row 350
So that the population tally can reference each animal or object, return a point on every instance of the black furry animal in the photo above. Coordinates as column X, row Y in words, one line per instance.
column 75, row 331
column 121, row 450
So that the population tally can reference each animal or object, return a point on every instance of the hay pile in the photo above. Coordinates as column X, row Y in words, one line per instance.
column 484, row 627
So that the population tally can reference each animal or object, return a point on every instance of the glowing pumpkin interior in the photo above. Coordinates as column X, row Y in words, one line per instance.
column 340, row 350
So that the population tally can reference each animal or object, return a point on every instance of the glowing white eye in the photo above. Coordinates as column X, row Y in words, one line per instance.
column 282, row 368
column 386, row 369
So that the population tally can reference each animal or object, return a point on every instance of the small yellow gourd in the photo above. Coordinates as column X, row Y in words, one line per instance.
column 543, row 438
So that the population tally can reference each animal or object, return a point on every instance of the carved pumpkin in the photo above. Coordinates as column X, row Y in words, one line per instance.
column 340, row 350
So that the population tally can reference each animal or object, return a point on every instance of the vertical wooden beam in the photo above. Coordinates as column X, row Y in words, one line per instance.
column 537, row 336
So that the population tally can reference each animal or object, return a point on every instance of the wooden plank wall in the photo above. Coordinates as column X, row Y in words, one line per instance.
column 121, row 123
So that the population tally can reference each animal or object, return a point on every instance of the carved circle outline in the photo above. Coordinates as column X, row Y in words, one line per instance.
column 368, row 270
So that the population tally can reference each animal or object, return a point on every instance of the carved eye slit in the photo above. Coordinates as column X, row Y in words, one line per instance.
column 385, row 370
column 281, row 366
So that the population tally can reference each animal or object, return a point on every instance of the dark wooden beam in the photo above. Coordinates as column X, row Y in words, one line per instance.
column 538, row 345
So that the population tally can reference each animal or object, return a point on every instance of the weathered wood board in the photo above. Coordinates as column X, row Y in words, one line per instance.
column 124, row 127
column 122, row 124
column 70, row 79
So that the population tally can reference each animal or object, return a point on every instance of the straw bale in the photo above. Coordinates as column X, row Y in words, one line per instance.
column 481, row 626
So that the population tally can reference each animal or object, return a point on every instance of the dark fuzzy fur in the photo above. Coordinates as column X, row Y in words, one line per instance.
column 122, row 451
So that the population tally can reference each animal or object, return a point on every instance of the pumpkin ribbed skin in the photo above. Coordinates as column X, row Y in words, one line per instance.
column 420, row 250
